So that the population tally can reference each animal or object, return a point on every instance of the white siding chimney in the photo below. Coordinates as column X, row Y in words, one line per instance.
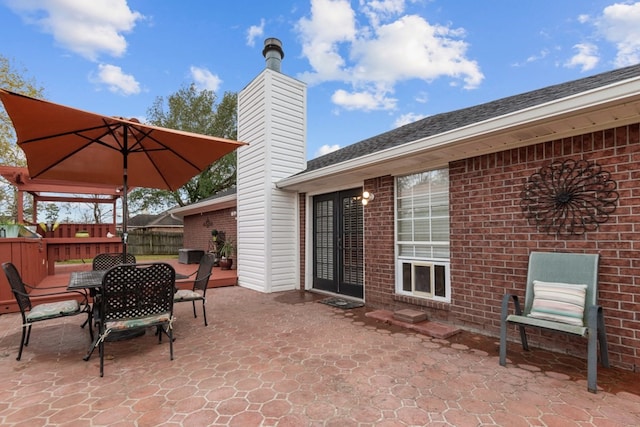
column 272, row 119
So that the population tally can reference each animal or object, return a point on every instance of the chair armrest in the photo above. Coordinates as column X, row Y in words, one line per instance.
column 48, row 294
column 504, row 312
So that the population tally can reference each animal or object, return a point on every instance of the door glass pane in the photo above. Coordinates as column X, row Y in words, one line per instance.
column 324, row 240
column 351, row 241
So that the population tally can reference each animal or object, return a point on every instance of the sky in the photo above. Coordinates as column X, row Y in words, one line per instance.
column 369, row 65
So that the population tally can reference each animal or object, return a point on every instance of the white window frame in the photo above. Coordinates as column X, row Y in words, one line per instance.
column 432, row 285
column 417, row 261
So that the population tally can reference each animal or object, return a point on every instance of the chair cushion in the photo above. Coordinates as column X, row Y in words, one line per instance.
column 558, row 302
column 186, row 295
column 138, row 322
column 53, row 309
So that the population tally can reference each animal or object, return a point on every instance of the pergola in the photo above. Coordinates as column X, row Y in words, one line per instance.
column 46, row 190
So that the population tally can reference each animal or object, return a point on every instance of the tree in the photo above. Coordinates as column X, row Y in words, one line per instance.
column 193, row 110
column 10, row 154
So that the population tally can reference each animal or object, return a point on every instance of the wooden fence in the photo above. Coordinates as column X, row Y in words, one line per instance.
column 143, row 242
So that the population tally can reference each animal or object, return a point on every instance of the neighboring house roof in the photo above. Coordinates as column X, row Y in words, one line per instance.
column 519, row 120
column 164, row 219
column 222, row 200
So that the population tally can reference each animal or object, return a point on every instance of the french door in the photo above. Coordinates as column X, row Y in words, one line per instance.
column 338, row 245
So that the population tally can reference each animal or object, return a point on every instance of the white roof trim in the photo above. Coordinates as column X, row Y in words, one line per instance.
column 205, row 206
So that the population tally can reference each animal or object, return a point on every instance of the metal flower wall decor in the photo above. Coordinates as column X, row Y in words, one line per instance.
column 569, row 197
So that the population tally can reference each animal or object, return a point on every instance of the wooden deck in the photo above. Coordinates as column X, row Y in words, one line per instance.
column 63, row 271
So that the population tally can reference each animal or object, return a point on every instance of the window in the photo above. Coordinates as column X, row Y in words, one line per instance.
column 422, row 235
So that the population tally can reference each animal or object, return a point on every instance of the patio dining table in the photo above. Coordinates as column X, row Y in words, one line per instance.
column 92, row 280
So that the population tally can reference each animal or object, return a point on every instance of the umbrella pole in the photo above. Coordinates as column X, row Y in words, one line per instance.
column 125, row 190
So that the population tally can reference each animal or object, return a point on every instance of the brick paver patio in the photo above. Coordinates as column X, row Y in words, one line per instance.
column 284, row 360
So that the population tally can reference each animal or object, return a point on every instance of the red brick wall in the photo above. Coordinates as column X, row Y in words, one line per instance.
column 491, row 240
column 197, row 228
column 379, row 251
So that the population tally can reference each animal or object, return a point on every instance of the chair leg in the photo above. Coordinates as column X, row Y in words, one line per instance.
column 22, row 340
column 523, row 338
column 592, row 348
column 94, row 343
column 169, row 333
column 504, row 312
column 26, row 341
column 90, row 322
column 503, row 343
column 204, row 314
column 602, row 339
column 194, row 309
column 101, row 352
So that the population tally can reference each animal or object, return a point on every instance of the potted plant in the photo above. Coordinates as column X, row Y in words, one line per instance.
column 9, row 229
column 215, row 242
column 226, row 252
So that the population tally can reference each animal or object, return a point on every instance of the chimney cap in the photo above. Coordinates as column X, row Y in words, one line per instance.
column 272, row 44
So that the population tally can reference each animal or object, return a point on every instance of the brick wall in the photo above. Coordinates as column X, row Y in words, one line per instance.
column 378, row 237
column 197, row 228
column 491, row 240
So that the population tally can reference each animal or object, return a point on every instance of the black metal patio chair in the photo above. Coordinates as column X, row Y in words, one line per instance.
column 75, row 303
column 105, row 261
column 200, row 283
column 136, row 297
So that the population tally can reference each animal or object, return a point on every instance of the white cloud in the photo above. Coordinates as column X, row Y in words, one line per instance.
column 88, row 28
column 583, row 19
column 332, row 22
column 586, row 58
column 620, row 24
column 253, row 32
column 116, row 80
column 405, row 119
column 411, row 48
column 326, row 149
column 373, row 58
column 377, row 10
column 365, row 100
column 540, row 55
column 205, row 79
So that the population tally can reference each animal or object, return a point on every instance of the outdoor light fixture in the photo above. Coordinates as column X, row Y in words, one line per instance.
column 234, row 214
column 367, row 197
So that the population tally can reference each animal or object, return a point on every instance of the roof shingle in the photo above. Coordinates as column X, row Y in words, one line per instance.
column 439, row 123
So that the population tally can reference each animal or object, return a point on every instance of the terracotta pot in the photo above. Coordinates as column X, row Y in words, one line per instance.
column 226, row 263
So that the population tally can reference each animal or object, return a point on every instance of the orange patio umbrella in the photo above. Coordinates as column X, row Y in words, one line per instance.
column 64, row 143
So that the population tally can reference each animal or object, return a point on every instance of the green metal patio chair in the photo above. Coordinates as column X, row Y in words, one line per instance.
column 561, row 296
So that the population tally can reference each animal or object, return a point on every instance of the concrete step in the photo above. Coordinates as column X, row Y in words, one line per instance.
column 410, row 316
column 429, row 328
